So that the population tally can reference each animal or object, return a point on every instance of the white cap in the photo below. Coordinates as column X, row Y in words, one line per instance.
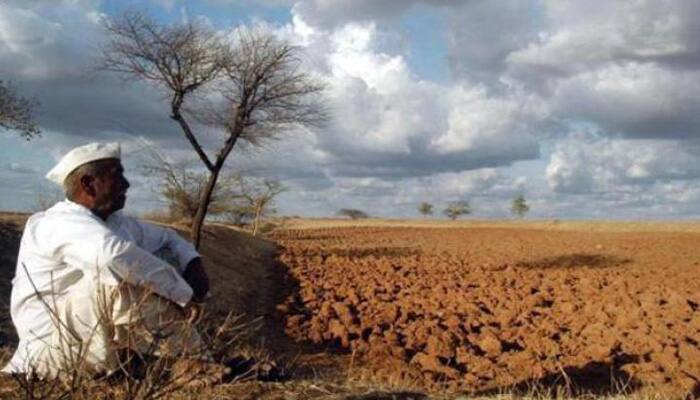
column 82, row 155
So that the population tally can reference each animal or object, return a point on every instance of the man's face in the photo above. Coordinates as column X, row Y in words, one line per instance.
column 110, row 189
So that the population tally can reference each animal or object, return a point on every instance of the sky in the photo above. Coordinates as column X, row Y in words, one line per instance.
column 591, row 110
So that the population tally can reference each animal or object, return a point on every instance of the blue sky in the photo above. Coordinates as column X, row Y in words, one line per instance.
column 588, row 109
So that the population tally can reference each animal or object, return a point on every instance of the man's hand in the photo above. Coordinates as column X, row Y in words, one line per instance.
column 198, row 280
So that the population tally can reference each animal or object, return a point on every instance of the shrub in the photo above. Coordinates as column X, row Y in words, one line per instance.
column 353, row 213
column 425, row 209
column 456, row 209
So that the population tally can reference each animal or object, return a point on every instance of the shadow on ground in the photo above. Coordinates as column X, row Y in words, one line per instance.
column 388, row 396
column 306, row 360
column 576, row 260
column 247, row 277
column 594, row 378
column 695, row 393
column 10, row 234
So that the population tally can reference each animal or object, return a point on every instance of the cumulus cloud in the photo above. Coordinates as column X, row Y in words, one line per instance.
column 50, row 50
column 633, row 100
column 585, row 164
column 580, row 37
column 522, row 73
column 387, row 122
column 628, row 67
column 478, row 121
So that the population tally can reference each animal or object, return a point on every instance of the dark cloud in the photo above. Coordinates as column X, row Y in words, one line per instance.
column 329, row 13
column 482, row 33
column 633, row 100
column 86, row 106
column 421, row 163
column 52, row 57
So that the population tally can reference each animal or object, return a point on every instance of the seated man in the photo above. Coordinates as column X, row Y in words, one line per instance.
column 87, row 283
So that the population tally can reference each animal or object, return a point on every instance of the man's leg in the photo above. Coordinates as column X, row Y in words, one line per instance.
column 92, row 325
column 151, row 325
column 147, row 324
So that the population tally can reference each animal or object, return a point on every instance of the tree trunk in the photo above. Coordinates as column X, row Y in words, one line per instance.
column 196, row 230
column 258, row 211
column 205, row 198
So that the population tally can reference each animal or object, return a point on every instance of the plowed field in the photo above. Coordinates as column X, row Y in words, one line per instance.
column 490, row 308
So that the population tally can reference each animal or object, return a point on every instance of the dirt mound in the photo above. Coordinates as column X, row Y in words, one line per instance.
column 481, row 309
column 242, row 270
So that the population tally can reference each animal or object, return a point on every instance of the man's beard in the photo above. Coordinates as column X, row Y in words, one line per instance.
column 111, row 204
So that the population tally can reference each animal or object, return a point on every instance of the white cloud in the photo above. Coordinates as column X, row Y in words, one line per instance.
column 634, row 100
column 631, row 68
column 19, row 168
column 477, row 120
column 42, row 41
column 388, row 122
column 522, row 72
column 584, row 164
column 581, row 36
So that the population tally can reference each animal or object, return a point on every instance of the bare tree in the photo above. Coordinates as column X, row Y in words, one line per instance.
column 250, row 87
column 17, row 112
column 182, row 187
column 256, row 198
column 235, row 197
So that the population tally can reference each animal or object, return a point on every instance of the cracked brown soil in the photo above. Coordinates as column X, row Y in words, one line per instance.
column 476, row 308
column 494, row 308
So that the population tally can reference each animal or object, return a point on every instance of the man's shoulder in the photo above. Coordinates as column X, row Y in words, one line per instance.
column 121, row 219
column 137, row 226
column 65, row 209
column 60, row 216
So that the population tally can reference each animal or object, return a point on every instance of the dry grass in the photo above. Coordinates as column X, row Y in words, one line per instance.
column 146, row 370
column 319, row 389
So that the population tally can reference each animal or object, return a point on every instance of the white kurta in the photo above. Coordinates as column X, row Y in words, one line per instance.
column 67, row 249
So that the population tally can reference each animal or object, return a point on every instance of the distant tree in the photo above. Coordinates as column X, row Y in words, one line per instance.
column 181, row 187
column 519, row 206
column 425, row 209
column 456, row 209
column 239, row 199
column 353, row 213
column 255, row 200
column 17, row 112
column 250, row 86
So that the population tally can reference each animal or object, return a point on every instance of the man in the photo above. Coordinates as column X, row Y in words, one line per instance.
column 87, row 283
